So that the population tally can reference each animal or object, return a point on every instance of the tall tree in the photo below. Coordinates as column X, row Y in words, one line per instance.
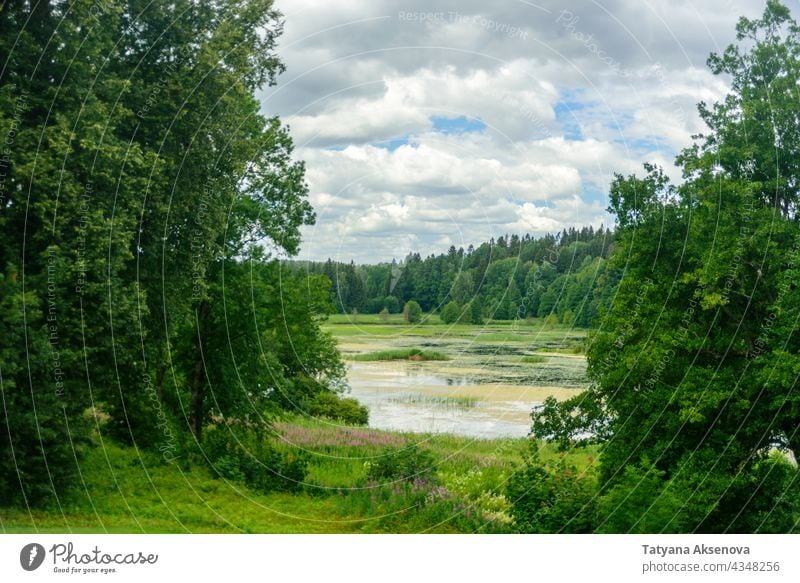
column 694, row 383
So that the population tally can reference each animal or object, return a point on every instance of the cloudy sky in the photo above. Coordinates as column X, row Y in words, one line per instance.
column 430, row 123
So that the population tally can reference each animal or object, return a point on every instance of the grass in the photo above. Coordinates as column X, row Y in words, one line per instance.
column 569, row 349
column 128, row 491
column 534, row 359
column 416, row 354
column 131, row 493
column 450, row 402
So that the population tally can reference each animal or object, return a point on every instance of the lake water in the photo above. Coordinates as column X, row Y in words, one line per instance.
column 436, row 398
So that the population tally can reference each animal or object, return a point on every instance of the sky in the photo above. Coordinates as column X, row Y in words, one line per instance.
column 425, row 124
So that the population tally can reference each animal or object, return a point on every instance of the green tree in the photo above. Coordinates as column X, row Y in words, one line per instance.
column 68, row 194
column 412, row 312
column 451, row 313
column 463, row 288
column 680, row 369
column 475, row 310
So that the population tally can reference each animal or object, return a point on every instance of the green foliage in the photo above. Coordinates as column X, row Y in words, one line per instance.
column 330, row 406
column 475, row 310
column 578, row 421
column 412, row 312
column 509, row 276
column 691, row 371
column 551, row 497
column 641, row 502
column 451, row 313
column 159, row 193
column 402, row 354
column 249, row 456
column 408, row 463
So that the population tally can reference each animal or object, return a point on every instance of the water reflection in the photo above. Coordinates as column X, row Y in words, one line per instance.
column 406, row 396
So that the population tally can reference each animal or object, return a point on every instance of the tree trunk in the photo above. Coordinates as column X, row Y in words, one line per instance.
column 197, row 382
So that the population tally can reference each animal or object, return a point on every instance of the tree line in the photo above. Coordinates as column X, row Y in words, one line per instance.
column 564, row 277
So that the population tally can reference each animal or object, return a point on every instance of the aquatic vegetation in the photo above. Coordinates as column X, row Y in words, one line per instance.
column 416, row 354
column 455, row 402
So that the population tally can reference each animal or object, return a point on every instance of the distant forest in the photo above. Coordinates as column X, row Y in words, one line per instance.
column 563, row 277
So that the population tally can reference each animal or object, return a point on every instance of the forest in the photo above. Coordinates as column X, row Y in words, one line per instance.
column 563, row 277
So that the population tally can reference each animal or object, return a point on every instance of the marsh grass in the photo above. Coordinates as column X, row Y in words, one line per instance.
column 416, row 354
column 445, row 401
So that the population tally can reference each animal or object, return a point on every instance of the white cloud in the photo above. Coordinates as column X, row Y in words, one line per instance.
column 565, row 103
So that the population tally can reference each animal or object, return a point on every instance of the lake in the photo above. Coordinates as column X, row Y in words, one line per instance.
column 495, row 376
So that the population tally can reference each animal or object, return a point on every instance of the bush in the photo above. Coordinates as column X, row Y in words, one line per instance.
column 248, row 456
column 551, row 498
column 451, row 313
column 412, row 312
column 331, row 406
column 409, row 463
column 384, row 315
column 392, row 304
column 373, row 305
column 642, row 502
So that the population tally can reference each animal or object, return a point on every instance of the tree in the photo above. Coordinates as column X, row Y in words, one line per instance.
column 685, row 370
column 141, row 170
column 451, row 313
column 412, row 312
column 475, row 310
column 392, row 304
column 263, row 344
column 463, row 288
column 68, row 191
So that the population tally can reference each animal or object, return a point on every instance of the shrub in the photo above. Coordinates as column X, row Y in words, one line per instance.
column 642, row 501
column 332, row 406
column 408, row 463
column 392, row 304
column 412, row 312
column 384, row 315
column 248, row 456
column 551, row 498
column 451, row 313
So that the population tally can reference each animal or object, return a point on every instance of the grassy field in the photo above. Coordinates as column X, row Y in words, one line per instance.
column 126, row 491
column 533, row 330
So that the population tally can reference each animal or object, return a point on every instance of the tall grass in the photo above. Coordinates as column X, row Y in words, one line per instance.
column 416, row 354
column 452, row 402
